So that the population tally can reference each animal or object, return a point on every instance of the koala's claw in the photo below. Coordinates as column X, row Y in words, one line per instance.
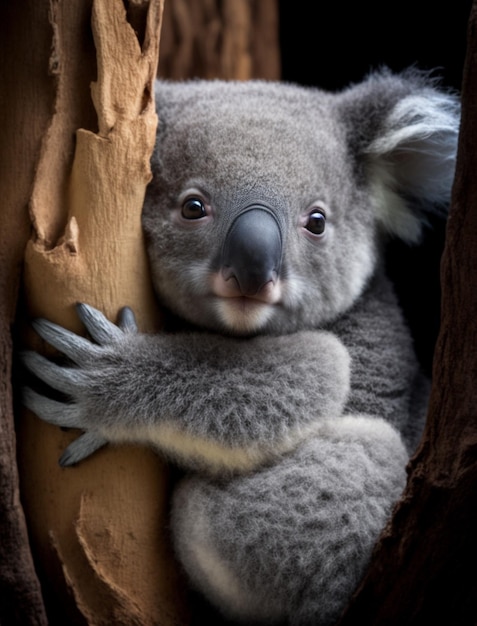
column 74, row 381
column 99, row 327
column 67, row 416
column 127, row 320
column 81, row 448
column 73, row 346
column 64, row 379
column 51, row 411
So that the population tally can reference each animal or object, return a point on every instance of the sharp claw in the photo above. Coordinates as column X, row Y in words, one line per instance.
column 72, row 345
column 81, row 448
column 99, row 327
column 66, row 380
column 51, row 411
column 127, row 320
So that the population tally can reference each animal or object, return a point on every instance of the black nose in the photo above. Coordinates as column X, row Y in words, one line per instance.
column 252, row 252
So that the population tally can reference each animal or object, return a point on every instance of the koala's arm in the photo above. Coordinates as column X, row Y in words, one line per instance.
column 207, row 400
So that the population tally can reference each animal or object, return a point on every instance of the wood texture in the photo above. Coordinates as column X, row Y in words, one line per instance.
column 98, row 530
column 25, row 106
column 229, row 39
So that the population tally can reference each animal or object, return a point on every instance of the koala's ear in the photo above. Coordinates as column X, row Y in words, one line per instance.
column 404, row 134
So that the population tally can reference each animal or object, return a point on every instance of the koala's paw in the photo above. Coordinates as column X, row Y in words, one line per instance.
column 76, row 380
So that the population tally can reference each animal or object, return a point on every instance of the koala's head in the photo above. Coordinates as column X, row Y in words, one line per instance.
column 270, row 202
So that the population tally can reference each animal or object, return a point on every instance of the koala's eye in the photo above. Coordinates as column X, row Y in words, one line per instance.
column 316, row 222
column 193, row 209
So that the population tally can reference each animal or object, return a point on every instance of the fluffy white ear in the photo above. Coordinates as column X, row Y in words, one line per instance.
column 412, row 160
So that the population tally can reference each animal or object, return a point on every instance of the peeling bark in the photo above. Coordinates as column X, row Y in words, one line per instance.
column 98, row 530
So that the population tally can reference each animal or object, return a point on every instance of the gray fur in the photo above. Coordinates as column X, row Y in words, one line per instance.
column 293, row 408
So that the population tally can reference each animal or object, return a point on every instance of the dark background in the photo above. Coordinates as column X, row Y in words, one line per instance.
column 330, row 44
column 333, row 44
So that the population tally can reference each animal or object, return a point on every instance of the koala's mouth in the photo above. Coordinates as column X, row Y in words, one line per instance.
column 244, row 313
column 245, row 304
column 229, row 289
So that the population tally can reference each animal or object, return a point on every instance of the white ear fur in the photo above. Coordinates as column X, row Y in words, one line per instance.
column 413, row 161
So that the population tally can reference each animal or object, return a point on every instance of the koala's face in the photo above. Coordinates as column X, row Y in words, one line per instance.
column 258, row 218
column 262, row 152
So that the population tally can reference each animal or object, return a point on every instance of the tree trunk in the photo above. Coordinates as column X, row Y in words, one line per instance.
column 424, row 567
column 25, row 105
column 98, row 531
column 229, row 39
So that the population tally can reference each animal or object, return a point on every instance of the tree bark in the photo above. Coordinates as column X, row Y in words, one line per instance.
column 25, row 105
column 98, row 530
column 424, row 567
column 228, row 39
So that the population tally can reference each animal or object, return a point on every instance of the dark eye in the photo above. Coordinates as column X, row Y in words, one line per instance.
column 316, row 222
column 193, row 209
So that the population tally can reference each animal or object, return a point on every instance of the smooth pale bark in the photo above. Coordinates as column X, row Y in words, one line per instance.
column 98, row 530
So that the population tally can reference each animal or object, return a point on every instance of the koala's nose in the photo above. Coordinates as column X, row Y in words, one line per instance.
column 252, row 251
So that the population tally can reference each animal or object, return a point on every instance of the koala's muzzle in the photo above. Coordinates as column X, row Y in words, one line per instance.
column 252, row 251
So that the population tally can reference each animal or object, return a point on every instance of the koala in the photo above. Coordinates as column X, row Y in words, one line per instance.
column 285, row 383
